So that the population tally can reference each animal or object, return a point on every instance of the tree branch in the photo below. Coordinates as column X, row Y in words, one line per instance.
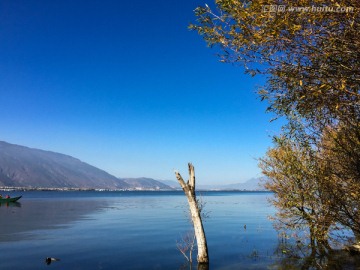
column 191, row 177
column 181, row 181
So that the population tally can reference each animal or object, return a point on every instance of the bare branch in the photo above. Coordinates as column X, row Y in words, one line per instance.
column 191, row 177
column 181, row 181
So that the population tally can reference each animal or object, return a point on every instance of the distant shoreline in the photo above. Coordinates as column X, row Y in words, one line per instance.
column 8, row 189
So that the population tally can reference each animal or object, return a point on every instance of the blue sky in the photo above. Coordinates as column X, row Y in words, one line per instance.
column 126, row 87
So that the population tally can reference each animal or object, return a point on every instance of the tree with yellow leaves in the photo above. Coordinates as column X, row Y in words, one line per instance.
column 309, row 53
column 296, row 177
column 311, row 59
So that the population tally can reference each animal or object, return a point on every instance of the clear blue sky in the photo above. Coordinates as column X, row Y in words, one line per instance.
column 126, row 87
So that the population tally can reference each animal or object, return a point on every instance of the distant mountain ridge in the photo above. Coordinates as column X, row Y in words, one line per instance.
column 144, row 183
column 253, row 184
column 27, row 167
column 22, row 166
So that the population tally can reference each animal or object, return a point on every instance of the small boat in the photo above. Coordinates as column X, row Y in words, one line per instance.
column 13, row 199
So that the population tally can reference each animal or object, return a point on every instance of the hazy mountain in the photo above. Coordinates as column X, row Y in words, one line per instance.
column 251, row 184
column 28, row 167
column 22, row 166
column 146, row 183
column 171, row 183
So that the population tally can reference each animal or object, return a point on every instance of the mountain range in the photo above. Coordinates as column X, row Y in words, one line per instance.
column 26, row 167
column 22, row 166
column 253, row 184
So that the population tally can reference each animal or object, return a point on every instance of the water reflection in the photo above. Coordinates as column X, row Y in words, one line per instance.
column 300, row 256
column 10, row 204
column 20, row 220
column 139, row 231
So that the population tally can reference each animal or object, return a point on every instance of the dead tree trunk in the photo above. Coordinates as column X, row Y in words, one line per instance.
column 189, row 189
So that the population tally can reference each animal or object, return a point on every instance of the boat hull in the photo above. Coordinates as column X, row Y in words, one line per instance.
column 13, row 199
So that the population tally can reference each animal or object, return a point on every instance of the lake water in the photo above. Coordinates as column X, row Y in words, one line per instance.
column 135, row 230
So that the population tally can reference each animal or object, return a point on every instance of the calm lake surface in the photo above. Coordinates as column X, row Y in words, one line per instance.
column 134, row 230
